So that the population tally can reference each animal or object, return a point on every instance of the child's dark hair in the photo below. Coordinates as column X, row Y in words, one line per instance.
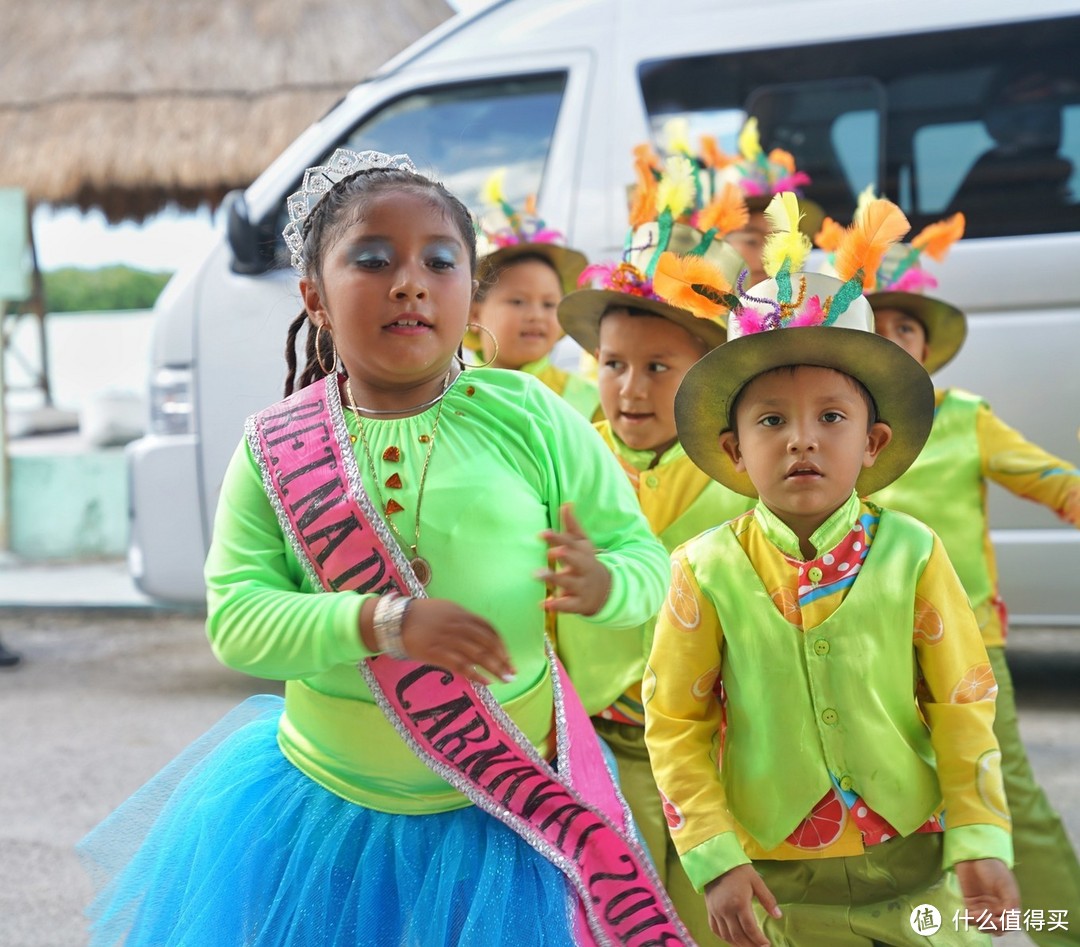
column 871, row 407
column 491, row 277
column 342, row 205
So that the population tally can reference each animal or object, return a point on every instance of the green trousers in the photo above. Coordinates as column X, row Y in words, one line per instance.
column 866, row 900
column 636, row 781
column 1046, row 867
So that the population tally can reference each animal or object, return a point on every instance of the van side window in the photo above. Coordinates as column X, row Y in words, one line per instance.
column 462, row 133
column 985, row 119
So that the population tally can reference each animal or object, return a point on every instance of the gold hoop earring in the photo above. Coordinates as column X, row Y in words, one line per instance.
column 318, row 353
column 490, row 335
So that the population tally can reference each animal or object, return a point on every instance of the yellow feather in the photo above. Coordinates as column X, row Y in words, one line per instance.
column 750, row 140
column 676, row 136
column 867, row 240
column 493, row 188
column 675, row 192
column 786, row 242
column 866, row 195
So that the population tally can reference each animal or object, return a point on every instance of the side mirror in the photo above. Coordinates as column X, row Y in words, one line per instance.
column 252, row 244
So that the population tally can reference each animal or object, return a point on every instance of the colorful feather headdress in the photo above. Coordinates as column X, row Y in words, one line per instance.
column 759, row 173
column 503, row 225
column 859, row 251
column 900, row 270
column 683, row 187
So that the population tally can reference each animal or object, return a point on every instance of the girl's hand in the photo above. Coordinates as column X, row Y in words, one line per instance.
column 440, row 632
column 580, row 582
column 729, row 899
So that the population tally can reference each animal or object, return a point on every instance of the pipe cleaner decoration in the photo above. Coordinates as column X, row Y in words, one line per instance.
column 858, row 250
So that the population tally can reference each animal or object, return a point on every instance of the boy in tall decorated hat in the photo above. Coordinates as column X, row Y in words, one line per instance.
column 760, row 175
column 645, row 342
column 946, row 489
column 818, row 702
column 524, row 270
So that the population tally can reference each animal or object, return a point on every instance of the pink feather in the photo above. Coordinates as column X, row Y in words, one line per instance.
column 751, row 322
column 812, row 314
column 914, row 280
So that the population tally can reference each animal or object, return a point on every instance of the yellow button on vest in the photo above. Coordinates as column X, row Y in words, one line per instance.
column 829, row 716
column 652, row 481
column 814, row 574
column 821, row 646
column 846, row 782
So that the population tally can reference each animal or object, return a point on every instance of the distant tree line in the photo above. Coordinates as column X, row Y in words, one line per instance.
column 71, row 289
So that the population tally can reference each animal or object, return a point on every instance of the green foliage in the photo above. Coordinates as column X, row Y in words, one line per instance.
column 72, row 289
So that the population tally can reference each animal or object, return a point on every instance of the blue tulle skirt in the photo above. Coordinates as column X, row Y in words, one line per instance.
column 232, row 845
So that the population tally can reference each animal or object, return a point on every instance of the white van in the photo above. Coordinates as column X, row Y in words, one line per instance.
column 934, row 103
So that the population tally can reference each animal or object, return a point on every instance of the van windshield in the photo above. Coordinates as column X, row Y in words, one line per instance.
column 984, row 120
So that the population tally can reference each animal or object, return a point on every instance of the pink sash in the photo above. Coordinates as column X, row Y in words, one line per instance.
column 576, row 818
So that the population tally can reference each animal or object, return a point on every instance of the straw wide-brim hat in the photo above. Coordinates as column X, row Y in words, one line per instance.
column 581, row 311
column 945, row 325
column 899, row 385
column 569, row 264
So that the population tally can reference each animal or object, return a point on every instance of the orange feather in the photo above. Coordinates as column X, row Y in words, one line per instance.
column 783, row 158
column 691, row 283
column 936, row 239
column 726, row 213
column 866, row 241
column 829, row 236
column 712, row 155
column 643, row 196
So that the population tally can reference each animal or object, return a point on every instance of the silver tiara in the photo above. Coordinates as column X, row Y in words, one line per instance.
column 318, row 182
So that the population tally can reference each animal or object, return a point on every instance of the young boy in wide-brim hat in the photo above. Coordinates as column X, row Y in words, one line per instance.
column 946, row 489
column 644, row 345
column 818, row 700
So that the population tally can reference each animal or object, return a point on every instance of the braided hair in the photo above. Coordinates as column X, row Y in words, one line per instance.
column 333, row 214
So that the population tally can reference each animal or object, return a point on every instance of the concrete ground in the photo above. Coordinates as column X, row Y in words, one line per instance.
column 106, row 695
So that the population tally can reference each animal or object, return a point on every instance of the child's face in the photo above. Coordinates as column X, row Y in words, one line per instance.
column 520, row 310
column 906, row 331
column 642, row 360
column 750, row 242
column 395, row 290
column 803, row 440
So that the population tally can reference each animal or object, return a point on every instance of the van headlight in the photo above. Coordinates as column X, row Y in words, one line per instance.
column 171, row 408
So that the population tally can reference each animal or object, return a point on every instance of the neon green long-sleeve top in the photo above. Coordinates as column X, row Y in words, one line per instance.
column 508, row 454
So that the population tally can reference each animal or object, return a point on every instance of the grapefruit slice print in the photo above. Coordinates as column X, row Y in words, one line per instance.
column 928, row 624
column 823, row 826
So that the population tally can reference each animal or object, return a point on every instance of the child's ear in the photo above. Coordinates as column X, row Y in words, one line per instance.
column 877, row 439
column 475, row 287
column 313, row 303
column 729, row 441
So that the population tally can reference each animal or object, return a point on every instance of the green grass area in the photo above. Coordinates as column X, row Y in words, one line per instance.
column 108, row 288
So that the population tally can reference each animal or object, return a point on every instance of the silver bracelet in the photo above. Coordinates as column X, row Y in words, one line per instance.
column 387, row 621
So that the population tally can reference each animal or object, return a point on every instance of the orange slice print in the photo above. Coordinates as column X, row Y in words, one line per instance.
column 681, row 604
column 702, row 688
column 928, row 624
column 991, row 784
column 977, row 684
column 823, row 826
column 787, row 604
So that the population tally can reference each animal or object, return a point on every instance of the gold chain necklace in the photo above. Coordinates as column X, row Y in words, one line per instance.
column 420, row 566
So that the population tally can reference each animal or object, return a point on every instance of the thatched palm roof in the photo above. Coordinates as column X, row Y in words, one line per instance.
column 126, row 105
